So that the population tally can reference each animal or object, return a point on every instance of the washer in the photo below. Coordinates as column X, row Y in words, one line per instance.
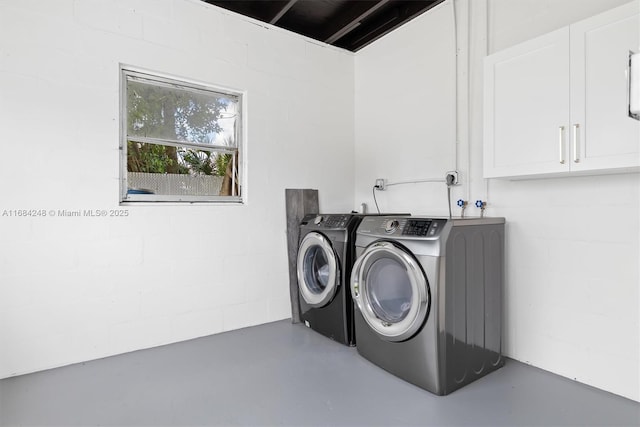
column 428, row 297
column 325, row 257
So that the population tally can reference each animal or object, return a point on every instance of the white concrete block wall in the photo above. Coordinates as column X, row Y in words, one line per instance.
column 78, row 288
column 572, row 285
column 405, row 114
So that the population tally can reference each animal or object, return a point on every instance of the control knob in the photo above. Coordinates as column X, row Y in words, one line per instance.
column 391, row 225
column 317, row 220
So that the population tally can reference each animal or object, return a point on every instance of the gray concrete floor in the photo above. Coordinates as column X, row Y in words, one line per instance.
column 283, row 374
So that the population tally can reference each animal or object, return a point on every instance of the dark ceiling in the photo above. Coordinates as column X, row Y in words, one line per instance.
column 349, row 24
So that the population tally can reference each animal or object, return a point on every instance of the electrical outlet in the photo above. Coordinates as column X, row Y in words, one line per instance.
column 380, row 184
column 454, row 174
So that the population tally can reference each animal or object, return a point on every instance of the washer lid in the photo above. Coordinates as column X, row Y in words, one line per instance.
column 390, row 290
column 318, row 271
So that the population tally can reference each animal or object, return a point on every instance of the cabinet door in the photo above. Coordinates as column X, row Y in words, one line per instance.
column 526, row 107
column 607, row 138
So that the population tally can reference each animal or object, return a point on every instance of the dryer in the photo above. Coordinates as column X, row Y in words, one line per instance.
column 428, row 298
column 325, row 257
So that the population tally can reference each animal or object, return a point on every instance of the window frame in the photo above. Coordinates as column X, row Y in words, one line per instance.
column 174, row 82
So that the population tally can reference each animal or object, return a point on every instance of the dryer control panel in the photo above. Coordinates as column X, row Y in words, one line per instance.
column 328, row 221
column 337, row 221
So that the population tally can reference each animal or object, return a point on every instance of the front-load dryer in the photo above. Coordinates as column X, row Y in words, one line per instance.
column 325, row 257
column 428, row 298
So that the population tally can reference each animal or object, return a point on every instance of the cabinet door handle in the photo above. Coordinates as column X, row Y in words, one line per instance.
column 561, row 144
column 576, row 156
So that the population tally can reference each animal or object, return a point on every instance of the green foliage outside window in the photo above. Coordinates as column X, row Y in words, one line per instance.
column 178, row 115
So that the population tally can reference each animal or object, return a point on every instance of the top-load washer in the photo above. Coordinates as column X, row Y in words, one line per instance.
column 428, row 297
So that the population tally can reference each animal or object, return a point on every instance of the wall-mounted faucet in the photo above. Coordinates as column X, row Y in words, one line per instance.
column 463, row 205
column 482, row 205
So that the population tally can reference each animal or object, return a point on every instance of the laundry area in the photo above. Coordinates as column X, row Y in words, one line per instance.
column 219, row 218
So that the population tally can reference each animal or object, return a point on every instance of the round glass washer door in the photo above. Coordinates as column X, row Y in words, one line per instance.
column 390, row 290
column 317, row 267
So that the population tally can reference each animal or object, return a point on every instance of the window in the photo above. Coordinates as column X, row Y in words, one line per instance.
column 180, row 141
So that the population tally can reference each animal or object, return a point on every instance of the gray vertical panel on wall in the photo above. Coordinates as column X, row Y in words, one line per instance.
column 299, row 203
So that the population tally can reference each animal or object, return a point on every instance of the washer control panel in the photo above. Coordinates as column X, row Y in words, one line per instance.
column 416, row 227
column 391, row 225
column 423, row 227
column 412, row 228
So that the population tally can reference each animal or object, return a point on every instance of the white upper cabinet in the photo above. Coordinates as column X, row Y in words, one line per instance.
column 607, row 137
column 557, row 104
column 527, row 107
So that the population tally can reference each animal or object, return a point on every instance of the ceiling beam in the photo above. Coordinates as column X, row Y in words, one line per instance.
column 282, row 11
column 378, row 26
column 351, row 18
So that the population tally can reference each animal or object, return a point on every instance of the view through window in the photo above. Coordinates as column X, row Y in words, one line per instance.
column 181, row 141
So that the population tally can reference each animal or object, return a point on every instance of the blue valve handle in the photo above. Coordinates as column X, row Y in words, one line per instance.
column 480, row 204
column 461, row 203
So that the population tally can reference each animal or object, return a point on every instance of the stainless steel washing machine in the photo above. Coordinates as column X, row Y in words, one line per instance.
column 428, row 297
